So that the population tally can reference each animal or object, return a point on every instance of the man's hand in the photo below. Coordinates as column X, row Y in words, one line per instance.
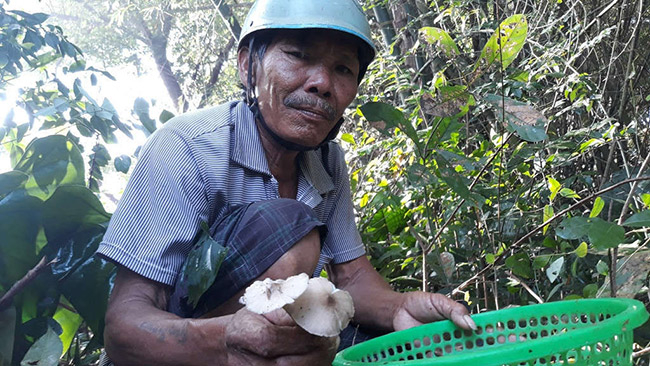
column 421, row 307
column 275, row 339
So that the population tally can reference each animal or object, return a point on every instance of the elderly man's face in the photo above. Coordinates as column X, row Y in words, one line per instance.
column 305, row 81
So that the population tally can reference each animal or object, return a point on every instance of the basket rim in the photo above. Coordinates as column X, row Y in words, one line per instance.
column 633, row 314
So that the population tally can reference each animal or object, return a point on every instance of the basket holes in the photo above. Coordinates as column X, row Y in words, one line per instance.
column 489, row 328
column 469, row 344
column 565, row 319
column 480, row 342
column 489, row 340
column 479, row 330
column 419, row 356
column 391, row 351
column 544, row 333
column 584, row 319
column 616, row 339
column 458, row 334
column 511, row 324
column 438, row 351
column 533, row 335
column 599, row 347
column 523, row 337
column 375, row 357
column 383, row 354
column 410, row 357
column 501, row 338
column 543, row 320
column 592, row 317
column 542, row 361
column 533, row 322
column 574, row 318
column 417, row 343
column 458, row 347
column 512, row 338
column 429, row 354
column 607, row 316
column 448, row 349
column 522, row 323
column 501, row 326
column 408, row 346
column 601, row 317
column 446, row 336
column 426, row 341
column 555, row 319
column 467, row 333
column 399, row 348
column 436, row 338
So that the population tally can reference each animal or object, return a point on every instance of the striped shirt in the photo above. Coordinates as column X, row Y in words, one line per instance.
column 197, row 165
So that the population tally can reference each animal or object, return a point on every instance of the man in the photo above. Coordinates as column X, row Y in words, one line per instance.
column 273, row 188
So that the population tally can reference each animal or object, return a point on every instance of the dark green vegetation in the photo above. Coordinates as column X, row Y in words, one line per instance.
column 507, row 161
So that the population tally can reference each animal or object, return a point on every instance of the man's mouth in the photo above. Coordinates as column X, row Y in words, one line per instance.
column 317, row 107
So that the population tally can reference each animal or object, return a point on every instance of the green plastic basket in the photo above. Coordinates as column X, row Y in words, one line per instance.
column 574, row 332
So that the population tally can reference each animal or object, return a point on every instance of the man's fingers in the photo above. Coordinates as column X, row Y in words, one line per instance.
column 421, row 307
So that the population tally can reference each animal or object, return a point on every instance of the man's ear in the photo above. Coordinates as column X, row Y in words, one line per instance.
column 242, row 64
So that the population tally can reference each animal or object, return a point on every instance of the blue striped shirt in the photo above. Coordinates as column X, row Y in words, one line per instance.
column 198, row 164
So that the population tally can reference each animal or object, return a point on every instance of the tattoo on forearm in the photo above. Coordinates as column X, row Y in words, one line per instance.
column 176, row 333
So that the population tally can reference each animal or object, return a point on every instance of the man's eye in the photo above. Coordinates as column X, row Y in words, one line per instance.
column 344, row 69
column 297, row 54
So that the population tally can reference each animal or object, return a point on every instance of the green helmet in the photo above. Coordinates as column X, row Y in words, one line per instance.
column 342, row 15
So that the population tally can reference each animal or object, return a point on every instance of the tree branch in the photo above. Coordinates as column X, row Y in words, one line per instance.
column 17, row 287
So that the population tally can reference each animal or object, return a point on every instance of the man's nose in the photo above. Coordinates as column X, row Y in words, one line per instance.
column 320, row 81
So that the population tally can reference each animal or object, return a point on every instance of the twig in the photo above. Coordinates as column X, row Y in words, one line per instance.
column 527, row 288
column 478, row 176
column 541, row 226
column 640, row 353
column 8, row 297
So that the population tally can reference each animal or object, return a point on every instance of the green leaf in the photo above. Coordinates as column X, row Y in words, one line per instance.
column 599, row 204
column 80, row 92
column 590, row 291
column 70, row 322
column 440, row 40
column 489, row 258
column 165, row 116
column 521, row 118
column 50, row 162
column 604, row 234
column 541, row 261
column 141, row 109
column 12, row 180
column 504, row 44
column 386, row 118
column 69, row 208
column 455, row 181
column 568, row 193
column 7, row 329
column 553, row 271
column 348, row 138
column 122, row 163
column 548, row 214
column 581, row 250
column 520, row 265
column 202, row 264
column 602, row 268
column 573, row 228
column 20, row 220
column 645, row 197
column 46, row 351
column 641, row 219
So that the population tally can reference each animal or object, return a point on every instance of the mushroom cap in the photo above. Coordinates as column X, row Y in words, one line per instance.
column 322, row 309
column 262, row 297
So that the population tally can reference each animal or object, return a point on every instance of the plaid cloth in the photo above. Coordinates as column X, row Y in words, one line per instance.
column 256, row 235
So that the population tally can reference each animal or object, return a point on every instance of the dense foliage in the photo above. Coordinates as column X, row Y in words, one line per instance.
column 498, row 151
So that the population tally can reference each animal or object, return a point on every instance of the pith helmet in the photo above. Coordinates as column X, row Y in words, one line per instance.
column 342, row 15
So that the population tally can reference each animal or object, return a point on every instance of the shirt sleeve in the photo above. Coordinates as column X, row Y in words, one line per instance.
column 343, row 241
column 159, row 214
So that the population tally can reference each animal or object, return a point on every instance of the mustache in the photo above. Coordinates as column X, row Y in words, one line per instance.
column 297, row 101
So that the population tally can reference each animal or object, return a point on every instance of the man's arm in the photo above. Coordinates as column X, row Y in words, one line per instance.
column 140, row 332
column 378, row 306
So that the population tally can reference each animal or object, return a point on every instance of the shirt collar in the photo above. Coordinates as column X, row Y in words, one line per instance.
column 248, row 151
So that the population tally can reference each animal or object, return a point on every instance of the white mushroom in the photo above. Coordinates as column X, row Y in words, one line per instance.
column 322, row 309
column 265, row 296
